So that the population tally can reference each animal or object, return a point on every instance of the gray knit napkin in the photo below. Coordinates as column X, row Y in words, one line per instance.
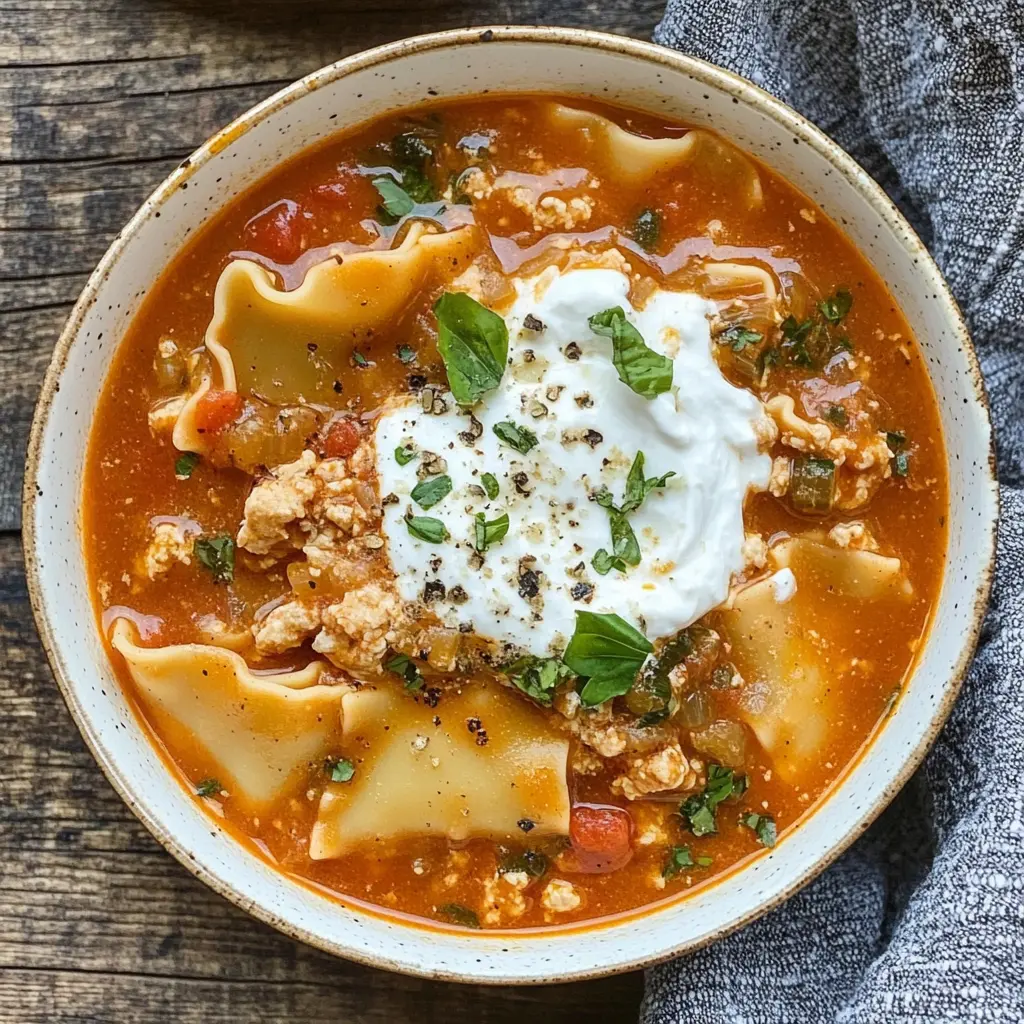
column 923, row 919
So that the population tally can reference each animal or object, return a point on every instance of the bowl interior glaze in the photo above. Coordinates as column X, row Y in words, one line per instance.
column 449, row 65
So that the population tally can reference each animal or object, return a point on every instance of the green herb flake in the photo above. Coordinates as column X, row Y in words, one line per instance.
column 647, row 372
column 699, row 810
column 404, row 666
column 678, row 858
column 532, row 863
column 835, row 308
column 836, row 414
column 459, row 914
column 519, row 438
column 360, row 360
column 739, row 337
column 217, row 554
column 647, row 229
column 426, row 528
column 490, row 485
column 340, row 769
column 185, row 463
column 208, row 787
column 608, row 652
column 901, row 464
column 537, row 677
column 473, row 342
column 705, row 862
column 895, row 439
column 394, row 200
column 763, row 826
column 404, row 454
column 488, row 533
column 427, row 493
column 407, row 354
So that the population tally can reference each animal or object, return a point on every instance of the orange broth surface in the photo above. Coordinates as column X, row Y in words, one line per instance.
column 866, row 649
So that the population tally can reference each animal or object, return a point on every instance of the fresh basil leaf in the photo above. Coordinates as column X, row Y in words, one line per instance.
column 433, row 531
column 678, row 858
column 699, row 809
column 763, row 826
column 624, row 542
column 394, row 200
column 603, row 562
column 537, row 677
column 519, row 438
column 488, row 533
column 473, row 342
column 647, row 229
column 184, row 464
column 218, row 555
column 208, row 787
column 404, row 454
column 404, row 666
column 608, row 652
column 490, row 484
column 647, row 372
column 739, row 337
column 459, row 914
column 836, row 306
column 340, row 769
column 638, row 487
column 427, row 493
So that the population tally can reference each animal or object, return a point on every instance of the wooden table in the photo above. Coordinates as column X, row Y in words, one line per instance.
column 99, row 99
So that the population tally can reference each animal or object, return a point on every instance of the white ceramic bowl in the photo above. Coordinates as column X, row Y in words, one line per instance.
column 446, row 65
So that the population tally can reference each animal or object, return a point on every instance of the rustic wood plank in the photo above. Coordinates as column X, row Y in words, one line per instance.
column 98, row 102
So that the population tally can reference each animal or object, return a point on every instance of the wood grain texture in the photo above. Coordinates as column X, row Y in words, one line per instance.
column 98, row 102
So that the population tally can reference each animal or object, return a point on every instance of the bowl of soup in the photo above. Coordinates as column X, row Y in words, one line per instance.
column 512, row 507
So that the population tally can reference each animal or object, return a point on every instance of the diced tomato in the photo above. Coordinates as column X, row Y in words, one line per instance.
column 276, row 232
column 216, row 409
column 342, row 439
column 600, row 837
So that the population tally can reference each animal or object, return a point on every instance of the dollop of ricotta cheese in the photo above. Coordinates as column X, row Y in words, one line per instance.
column 561, row 384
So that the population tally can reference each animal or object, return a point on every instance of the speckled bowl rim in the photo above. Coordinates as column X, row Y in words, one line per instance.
column 744, row 92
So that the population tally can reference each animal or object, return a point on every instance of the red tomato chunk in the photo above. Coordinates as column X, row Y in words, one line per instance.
column 600, row 838
column 276, row 232
column 342, row 439
column 216, row 409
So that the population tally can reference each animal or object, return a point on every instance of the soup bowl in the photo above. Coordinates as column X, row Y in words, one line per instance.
column 450, row 65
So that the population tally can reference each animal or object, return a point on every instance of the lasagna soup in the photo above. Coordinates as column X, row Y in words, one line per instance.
column 515, row 512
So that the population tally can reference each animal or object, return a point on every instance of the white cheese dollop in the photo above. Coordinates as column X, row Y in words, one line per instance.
column 561, row 384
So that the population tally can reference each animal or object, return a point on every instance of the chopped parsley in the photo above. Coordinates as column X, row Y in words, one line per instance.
column 647, row 372
column 837, row 414
column 677, row 859
column 739, row 337
column 184, row 464
column 519, row 438
column 360, row 360
column 809, row 344
column 340, row 769
column 218, row 555
column 427, row 493
column 606, row 651
column 896, row 441
column 473, row 342
column 457, row 913
column 763, row 826
column 698, row 811
column 426, row 528
column 208, row 787
column 407, row 354
column 488, row 533
column 404, row 666
column 647, row 229
column 537, row 677
column 901, row 464
column 404, row 454
column 490, row 485
column 836, row 306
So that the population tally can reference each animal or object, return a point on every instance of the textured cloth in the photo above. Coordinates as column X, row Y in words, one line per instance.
column 923, row 919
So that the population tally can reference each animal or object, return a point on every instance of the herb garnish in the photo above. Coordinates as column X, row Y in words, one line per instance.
column 208, row 787
column 340, row 769
column 488, row 533
column 739, row 337
column 647, row 372
column 678, row 858
column 810, row 343
column 184, row 464
column 404, row 454
column 407, row 354
column 896, row 441
column 427, row 493
column 625, row 547
column 519, row 438
column 699, row 810
column 218, row 555
column 360, row 360
column 608, row 652
column 537, row 677
column 529, row 862
column 433, row 531
column 394, row 200
column 836, row 414
column 490, row 484
column 647, row 229
column 763, row 826
column 457, row 913
column 404, row 666
column 473, row 342
column 836, row 306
